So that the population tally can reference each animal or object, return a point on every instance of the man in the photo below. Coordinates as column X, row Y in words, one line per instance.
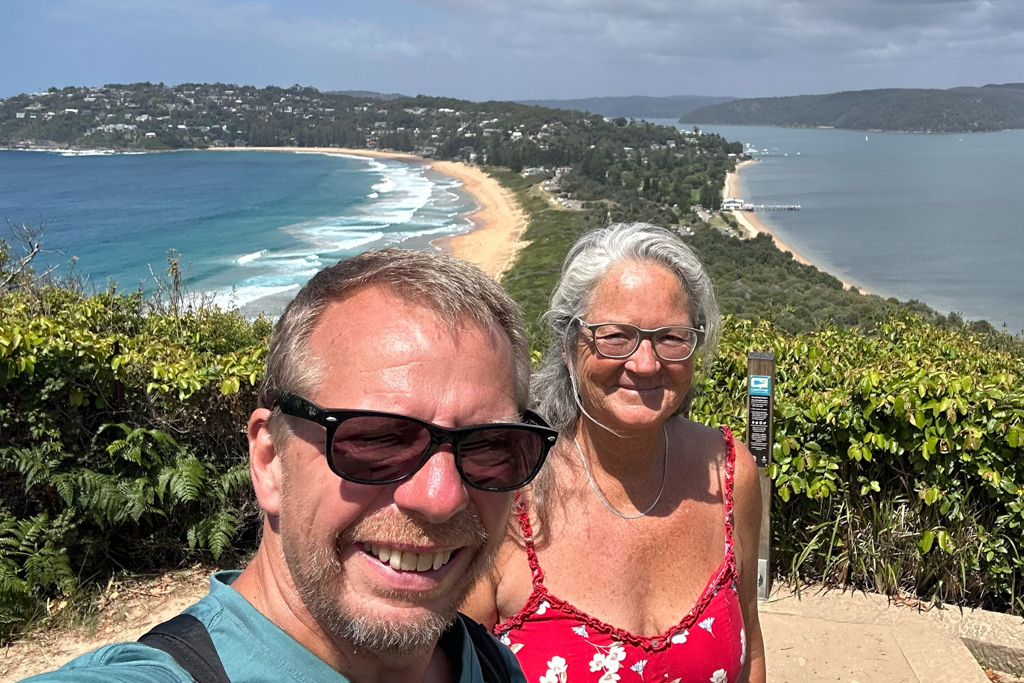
column 384, row 453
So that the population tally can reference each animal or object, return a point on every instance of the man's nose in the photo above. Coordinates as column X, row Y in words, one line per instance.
column 436, row 491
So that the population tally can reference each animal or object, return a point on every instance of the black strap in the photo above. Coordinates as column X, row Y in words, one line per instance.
column 186, row 639
column 488, row 651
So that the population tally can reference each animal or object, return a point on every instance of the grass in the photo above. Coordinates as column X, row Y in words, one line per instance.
column 550, row 232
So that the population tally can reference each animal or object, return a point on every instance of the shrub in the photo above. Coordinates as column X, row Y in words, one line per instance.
column 122, row 442
column 898, row 461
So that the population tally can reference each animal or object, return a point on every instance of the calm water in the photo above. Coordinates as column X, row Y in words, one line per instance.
column 251, row 226
column 927, row 217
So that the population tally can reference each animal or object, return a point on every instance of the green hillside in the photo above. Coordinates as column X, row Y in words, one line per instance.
column 957, row 110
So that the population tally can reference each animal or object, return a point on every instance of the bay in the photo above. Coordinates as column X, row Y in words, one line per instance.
column 926, row 217
column 250, row 227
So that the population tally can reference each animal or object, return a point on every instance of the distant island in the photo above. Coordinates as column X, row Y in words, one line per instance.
column 636, row 107
column 957, row 110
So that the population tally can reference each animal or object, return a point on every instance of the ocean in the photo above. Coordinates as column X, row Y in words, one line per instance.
column 250, row 227
column 926, row 217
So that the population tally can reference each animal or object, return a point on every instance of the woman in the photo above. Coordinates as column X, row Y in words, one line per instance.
column 615, row 568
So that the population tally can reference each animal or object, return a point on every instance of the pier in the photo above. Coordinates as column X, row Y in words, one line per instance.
column 731, row 204
column 771, row 207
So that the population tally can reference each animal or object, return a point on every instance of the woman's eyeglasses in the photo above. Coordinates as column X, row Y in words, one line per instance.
column 370, row 447
column 619, row 340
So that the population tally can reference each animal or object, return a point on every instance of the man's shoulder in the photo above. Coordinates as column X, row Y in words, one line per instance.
column 128, row 662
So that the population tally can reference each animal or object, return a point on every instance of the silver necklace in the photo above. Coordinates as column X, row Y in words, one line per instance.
column 604, row 501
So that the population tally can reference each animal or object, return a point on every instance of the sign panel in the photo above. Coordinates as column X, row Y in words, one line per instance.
column 759, row 416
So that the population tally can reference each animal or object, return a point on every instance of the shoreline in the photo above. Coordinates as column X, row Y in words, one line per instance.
column 498, row 224
column 752, row 225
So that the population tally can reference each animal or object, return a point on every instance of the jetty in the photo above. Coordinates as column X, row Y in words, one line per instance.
column 732, row 204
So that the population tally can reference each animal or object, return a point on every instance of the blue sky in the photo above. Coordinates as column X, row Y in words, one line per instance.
column 498, row 49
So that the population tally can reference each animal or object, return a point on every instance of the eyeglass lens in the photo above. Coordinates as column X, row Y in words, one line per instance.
column 620, row 341
column 377, row 448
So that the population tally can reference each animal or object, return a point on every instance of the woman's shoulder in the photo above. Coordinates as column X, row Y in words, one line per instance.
column 709, row 442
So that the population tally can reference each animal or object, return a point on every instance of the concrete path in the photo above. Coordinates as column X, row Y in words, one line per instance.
column 865, row 638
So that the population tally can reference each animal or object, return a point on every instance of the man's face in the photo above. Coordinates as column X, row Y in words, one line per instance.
column 380, row 353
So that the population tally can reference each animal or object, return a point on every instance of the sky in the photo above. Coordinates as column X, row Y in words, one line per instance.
column 516, row 49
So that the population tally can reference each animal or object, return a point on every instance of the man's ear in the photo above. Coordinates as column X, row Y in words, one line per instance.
column 264, row 463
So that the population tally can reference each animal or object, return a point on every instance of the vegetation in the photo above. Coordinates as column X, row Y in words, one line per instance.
column 122, row 439
column 898, row 462
column 900, row 432
column 638, row 107
column 957, row 110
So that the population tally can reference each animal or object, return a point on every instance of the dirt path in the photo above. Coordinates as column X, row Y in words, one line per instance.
column 126, row 611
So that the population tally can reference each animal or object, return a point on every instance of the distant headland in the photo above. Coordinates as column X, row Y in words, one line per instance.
column 906, row 110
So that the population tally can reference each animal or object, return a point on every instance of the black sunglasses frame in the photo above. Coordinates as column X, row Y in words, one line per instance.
column 330, row 419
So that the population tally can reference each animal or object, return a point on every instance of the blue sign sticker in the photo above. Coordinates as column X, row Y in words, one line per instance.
column 760, row 385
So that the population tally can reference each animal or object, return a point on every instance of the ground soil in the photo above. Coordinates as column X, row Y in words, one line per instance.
column 125, row 610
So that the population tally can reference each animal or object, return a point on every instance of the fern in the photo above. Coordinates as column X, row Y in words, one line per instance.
column 214, row 533
column 187, row 481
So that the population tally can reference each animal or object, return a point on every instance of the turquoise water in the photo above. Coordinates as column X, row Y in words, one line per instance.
column 249, row 226
column 927, row 217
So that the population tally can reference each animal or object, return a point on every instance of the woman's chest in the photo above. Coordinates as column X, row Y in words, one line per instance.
column 639, row 577
column 557, row 643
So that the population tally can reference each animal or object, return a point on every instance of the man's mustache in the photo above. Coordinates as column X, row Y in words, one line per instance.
column 390, row 527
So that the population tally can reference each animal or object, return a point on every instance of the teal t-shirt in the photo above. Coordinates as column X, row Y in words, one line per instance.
column 252, row 648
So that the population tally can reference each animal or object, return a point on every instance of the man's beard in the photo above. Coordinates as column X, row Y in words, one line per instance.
column 319, row 578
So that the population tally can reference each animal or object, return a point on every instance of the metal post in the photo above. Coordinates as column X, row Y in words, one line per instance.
column 760, row 439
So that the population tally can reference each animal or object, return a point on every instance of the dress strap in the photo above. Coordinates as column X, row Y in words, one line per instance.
column 527, row 529
column 730, row 472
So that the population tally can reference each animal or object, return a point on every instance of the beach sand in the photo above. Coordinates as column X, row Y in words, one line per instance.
column 752, row 225
column 498, row 223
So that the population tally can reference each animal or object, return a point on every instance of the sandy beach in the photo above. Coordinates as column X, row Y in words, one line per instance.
column 498, row 223
column 752, row 225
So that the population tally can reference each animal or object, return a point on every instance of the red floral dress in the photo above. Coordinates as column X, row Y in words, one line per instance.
column 557, row 643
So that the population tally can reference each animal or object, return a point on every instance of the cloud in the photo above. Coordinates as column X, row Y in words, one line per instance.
column 274, row 25
column 533, row 48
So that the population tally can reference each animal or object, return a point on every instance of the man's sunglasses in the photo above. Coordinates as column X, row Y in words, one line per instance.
column 371, row 447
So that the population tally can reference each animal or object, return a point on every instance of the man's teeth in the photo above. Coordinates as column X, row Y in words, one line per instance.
column 408, row 561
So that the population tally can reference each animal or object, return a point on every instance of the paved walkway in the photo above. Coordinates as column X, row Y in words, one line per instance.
column 864, row 638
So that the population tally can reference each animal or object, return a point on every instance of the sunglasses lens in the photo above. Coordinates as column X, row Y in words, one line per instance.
column 374, row 448
column 500, row 458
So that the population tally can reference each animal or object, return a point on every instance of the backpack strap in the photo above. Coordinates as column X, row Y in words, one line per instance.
column 488, row 650
column 186, row 639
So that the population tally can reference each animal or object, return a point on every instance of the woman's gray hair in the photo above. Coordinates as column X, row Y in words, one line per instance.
column 587, row 263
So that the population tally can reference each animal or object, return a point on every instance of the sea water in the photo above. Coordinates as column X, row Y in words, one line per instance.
column 927, row 217
column 250, row 227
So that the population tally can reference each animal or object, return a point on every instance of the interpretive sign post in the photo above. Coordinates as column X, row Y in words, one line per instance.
column 760, row 439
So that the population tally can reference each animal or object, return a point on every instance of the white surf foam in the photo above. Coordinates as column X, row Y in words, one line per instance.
column 249, row 258
column 242, row 295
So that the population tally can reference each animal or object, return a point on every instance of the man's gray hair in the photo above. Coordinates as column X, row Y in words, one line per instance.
column 454, row 290
column 587, row 263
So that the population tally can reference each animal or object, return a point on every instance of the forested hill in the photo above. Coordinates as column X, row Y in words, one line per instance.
column 957, row 110
column 638, row 107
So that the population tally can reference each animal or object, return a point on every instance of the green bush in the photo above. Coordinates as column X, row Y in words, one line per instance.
column 898, row 461
column 122, row 442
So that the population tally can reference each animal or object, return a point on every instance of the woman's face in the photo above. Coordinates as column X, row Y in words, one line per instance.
column 640, row 391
